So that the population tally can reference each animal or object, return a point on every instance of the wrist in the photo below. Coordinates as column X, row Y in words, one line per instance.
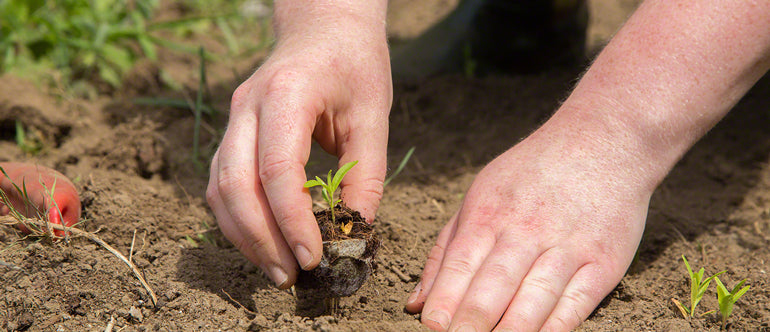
column 603, row 134
column 329, row 16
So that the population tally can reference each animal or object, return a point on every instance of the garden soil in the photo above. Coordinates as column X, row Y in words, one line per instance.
column 142, row 194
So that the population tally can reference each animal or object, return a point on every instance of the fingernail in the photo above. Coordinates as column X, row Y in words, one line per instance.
column 439, row 317
column 278, row 275
column 304, row 257
column 415, row 293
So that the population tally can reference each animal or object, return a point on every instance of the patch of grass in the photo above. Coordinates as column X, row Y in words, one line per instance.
column 99, row 40
column 78, row 37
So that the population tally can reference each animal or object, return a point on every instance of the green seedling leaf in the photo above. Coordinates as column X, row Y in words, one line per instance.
column 313, row 183
column 727, row 298
column 698, row 285
column 330, row 186
column 341, row 173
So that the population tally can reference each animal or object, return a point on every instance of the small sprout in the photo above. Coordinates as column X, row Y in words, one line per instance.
column 698, row 287
column 727, row 299
column 330, row 186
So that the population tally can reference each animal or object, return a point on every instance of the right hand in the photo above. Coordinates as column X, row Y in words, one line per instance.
column 328, row 79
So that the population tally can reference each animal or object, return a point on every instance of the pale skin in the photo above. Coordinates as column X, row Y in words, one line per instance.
column 549, row 227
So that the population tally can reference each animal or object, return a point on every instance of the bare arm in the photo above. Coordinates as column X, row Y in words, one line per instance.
column 673, row 71
column 549, row 227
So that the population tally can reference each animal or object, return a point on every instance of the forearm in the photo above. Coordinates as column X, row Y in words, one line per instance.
column 299, row 17
column 669, row 75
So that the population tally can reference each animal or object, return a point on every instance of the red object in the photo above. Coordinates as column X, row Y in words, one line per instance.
column 38, row 181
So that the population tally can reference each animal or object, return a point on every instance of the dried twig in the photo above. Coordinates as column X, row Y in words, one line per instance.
column 131, row 252
column 110, row 325
column 7, row 220
column 401, row 275
column 238, row 303
column 12, row 266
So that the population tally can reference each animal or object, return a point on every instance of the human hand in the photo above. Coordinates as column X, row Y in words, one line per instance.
column 329, row 79
column 50, row 192
column 545, row 232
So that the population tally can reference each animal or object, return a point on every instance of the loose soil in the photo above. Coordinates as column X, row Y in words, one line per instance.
column 132, row 167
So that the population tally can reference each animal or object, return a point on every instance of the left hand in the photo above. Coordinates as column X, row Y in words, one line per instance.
column 545, row 232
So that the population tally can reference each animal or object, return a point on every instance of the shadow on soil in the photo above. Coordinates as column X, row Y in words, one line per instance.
column 222, row 271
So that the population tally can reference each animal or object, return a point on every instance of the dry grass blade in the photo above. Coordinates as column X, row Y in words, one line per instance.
column 40, row 224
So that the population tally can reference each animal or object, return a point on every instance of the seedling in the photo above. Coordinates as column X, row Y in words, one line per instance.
column 400, row 167
column 330, row 186
column 727, row 299
column 698, row 287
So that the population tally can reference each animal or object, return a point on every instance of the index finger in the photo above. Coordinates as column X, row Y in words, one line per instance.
column 285, row 129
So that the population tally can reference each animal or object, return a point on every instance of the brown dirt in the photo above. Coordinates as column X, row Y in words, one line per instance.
column 132, row 167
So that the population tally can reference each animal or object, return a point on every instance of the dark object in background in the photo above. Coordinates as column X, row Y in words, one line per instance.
column 525, row 36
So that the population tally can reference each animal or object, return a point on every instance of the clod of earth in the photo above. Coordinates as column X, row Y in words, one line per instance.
column 346, row 263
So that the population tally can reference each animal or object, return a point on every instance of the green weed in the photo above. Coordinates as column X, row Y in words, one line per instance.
column 26, row 142
column 727, row 298
column 95, row 39
column 400, row 166
column 198, row 108
column 698, row 287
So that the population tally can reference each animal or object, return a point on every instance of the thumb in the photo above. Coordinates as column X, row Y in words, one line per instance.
column 362, row 185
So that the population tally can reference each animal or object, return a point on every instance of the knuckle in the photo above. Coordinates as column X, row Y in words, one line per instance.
column 370, row 190
column 230, row 180
column 478, row 315
column 559, row 323
column 211, row 194
column 240, row 96
column 458, row 267
column 436, row 253
column 284, row 82
column 541, row 284
column 253, row 247
column 274, row 165
column 497, row 271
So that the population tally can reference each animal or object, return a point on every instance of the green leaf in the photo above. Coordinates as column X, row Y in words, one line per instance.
column 118, row 56
column 401, row 167
column 341, row 173
column 313, row 183
column 737, row 295
column 148, row 48
column 109, row 75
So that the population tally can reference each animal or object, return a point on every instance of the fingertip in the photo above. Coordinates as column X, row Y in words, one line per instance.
column 415, row 302
column 306, row 259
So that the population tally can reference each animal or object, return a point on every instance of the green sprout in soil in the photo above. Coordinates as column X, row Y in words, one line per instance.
column 727, row 298
column 27, row 142
column 330, row 186
column 400, row 167
column 698, row 287
column 198, row 108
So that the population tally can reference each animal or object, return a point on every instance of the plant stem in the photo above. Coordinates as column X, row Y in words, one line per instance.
column 332, row 209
